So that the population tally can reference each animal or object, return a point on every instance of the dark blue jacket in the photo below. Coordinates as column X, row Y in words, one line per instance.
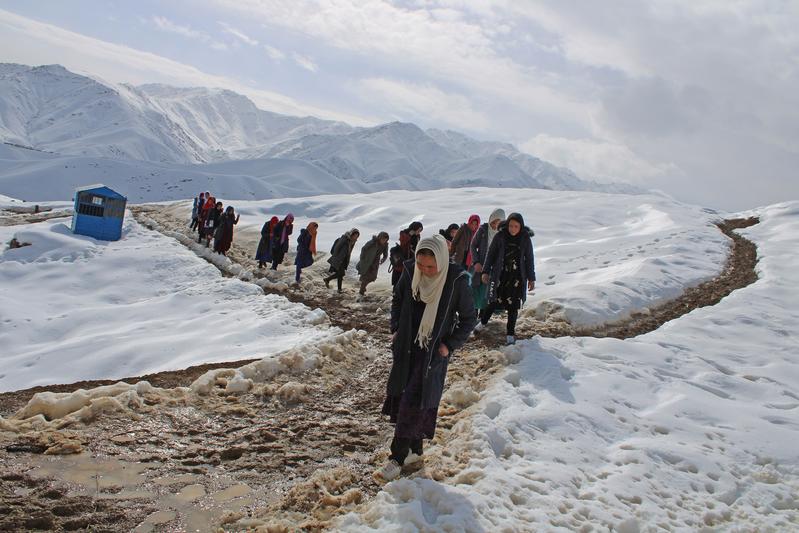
column 455, row 320
column 496, row 258
column 304, row 258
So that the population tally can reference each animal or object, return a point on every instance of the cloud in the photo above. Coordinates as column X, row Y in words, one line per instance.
column 304, row 62
column 238, row 34
column 425, row 104
column 274, row 53
column 597, row 160
column 27, row 41
column 166, row 25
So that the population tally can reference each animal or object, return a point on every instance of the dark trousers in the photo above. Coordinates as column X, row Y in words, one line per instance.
column 297, row 275
column 338, row 276
column 513, row 315
column 400, row 448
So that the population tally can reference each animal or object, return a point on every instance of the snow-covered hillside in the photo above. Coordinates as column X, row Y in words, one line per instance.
column 51, row 109
column 96, row 310
column 689, row 428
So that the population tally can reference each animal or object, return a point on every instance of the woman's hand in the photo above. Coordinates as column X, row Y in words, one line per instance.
column 443, row 351
column 530, row 285
column 485, row 279
column 478, row 267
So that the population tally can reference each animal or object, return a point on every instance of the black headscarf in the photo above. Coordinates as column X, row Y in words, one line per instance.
column 518, row 218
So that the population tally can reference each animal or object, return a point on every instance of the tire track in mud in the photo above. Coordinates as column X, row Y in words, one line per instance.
column 305, row 462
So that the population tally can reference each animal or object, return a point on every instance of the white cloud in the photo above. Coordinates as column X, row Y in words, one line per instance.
column 164, row 24
column 438, row 46
column 424, row 103
column 274, row 53
column 238, row 34
column 304, row 62
column 597, row 160
column 31, row 42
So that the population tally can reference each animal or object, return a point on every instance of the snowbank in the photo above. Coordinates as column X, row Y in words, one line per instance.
column 692, row 426
column 106, row 310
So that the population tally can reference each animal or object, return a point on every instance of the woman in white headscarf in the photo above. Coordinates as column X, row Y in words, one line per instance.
column 432, row 314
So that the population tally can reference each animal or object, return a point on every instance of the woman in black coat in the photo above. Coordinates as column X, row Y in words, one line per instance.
column 509, row 272
column 280, row 239
column 432, row 315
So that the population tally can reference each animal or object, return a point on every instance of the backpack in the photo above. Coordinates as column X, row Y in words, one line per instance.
column 335, row 243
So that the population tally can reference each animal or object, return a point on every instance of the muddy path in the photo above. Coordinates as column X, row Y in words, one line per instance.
column 290, row 461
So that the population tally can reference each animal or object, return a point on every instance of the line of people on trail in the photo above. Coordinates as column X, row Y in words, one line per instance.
column 445, row 288
column 210, row 221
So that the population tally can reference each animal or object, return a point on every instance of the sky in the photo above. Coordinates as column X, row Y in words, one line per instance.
column 697, row 99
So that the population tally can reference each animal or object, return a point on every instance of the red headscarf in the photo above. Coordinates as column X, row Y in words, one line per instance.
column 272, row 223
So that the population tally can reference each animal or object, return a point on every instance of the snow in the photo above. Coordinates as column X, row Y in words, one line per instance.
column 691, row 426
column 598, row 256
column 105, row 310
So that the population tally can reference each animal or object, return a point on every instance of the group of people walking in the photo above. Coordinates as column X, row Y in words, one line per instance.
column 445, row 288
column 210, row 221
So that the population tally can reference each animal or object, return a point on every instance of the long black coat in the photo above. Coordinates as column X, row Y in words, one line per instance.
column 455, row 320
column 496, row 258
column 340, row 258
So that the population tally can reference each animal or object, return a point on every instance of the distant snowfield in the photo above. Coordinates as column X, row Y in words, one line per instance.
column 598, row 256
column 73, row 308
column 694, row 425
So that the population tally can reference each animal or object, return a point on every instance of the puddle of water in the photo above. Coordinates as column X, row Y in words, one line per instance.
column 90, row 472
column 156, row 519
column 230, row 493
column 190, row 493
column 170, row 480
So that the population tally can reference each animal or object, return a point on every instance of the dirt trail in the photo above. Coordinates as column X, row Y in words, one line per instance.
column 259, row 458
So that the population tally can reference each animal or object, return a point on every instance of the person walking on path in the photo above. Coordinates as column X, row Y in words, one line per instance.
column 264, row 251
column 223, row 238
column 403, row 250
column 280, row 239
column 509, row 272
column 211, row 222
column 432, row 315
column 373, row 254
column 306, row 249
column 195, row 211
column 210, row 202
column 462, row 242
column 449, row 234
column 479, row 251
column 340, row 257
column 415, row 232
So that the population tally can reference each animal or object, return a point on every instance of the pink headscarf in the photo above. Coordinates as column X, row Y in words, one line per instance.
column 286, row 223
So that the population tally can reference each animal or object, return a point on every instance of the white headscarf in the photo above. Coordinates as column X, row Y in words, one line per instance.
column 497, row 214
column 429, row 289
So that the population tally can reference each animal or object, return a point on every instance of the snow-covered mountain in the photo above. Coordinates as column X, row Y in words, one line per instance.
column 158, row 129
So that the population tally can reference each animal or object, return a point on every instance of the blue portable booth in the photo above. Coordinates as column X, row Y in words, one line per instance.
column 99, row 212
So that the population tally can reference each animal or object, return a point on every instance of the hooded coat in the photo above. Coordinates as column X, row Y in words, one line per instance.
column 340, row 258
column 496, row 255
column 370, row 253
column 455, row 320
